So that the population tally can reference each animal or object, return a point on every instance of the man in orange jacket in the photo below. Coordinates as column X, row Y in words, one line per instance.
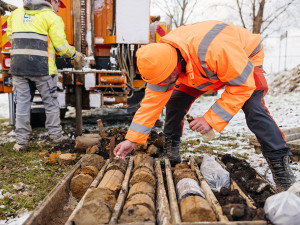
column 193, row 59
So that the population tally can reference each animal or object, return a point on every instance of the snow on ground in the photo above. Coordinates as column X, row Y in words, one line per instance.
column 4, row 107
column 283, row 107
column 17, row 220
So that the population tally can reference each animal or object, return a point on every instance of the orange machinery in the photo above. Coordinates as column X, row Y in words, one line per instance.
column 108, row 32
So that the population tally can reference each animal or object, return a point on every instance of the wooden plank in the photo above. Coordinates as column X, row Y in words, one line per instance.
column 54, row 201
column 249, row 200
column 101, row 128
column 172, row 194
column 209, row 195
column 292, row 137
column 111, row 148
column 122, row 195
column 295, row 142
column 291, row 130
column 93, row 185
column 162, row 204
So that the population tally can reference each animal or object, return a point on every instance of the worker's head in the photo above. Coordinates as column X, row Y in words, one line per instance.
column 158, row 63
column 56, row 4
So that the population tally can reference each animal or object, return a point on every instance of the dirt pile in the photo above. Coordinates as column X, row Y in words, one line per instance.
column 284, row 82
column 235, row 208
column 246, row 178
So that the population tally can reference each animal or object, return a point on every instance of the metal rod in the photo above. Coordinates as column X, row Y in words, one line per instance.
column 78, row 94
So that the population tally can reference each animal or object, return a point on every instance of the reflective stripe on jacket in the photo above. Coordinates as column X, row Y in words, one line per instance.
column 35, row 35
column 217, row 54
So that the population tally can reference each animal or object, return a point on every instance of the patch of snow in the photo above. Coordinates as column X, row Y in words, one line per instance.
column 4, row 106
column 17, row 220
column 283, row 109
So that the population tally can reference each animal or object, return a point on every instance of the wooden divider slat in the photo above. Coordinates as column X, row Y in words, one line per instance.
column 172, row 194
column 210, row 197
column 162, row 204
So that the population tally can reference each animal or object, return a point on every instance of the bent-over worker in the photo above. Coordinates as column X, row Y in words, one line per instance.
column 37, row 32
column 188, row 62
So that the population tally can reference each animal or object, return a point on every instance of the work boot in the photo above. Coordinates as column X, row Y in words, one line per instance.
column 60, row 140
column 282, row 173
column 171, row 147
column 20, row 148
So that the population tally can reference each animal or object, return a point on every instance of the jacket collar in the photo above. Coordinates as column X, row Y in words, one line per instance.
column 36, row 5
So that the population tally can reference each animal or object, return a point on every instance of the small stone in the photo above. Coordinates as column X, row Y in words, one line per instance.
column 18, row 187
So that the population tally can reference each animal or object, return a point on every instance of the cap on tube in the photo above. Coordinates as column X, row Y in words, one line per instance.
column 156, row 62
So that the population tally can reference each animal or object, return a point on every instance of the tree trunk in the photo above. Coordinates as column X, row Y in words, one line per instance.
column 258, row 19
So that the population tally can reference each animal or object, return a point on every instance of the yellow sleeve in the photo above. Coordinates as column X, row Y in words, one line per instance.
column 58, row 37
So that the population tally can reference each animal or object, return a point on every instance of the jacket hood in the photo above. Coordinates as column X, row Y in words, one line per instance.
column 37, row 5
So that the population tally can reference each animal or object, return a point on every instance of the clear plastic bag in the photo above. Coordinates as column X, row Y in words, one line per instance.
column 214, row 174
column 188, row 186
column 284, row 207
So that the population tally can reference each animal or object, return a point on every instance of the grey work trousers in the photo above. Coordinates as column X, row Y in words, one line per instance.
column 24, row 88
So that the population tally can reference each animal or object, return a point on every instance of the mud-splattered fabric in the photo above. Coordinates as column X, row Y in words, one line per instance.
column 24, row 90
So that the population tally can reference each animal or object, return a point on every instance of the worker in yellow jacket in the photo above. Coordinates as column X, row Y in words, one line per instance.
column 196, row 58
column 37, row 32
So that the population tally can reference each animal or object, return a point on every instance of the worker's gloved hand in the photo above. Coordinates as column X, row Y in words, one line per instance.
column 11, row 7
column 122, row 149
column 78, row 60
column 199, row 124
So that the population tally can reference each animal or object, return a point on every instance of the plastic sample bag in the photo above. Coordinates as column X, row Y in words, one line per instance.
column 188, row 186
column 284, row 207
column 214, row 174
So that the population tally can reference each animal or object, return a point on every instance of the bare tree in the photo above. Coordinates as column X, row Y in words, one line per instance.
column 6, row 7
column 263, row 13
column 179, row 11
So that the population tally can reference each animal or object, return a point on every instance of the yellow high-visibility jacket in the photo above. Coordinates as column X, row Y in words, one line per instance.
column 217, row 54
column 37, row 32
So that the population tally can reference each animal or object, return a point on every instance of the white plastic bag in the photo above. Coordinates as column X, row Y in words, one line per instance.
column 188, row 186
column 214, row 174
column 284, row 207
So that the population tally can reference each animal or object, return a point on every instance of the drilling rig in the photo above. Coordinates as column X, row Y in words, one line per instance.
column 108, row 32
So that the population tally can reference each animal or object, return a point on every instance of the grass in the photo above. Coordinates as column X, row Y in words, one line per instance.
column 39, row 178
column 244, row 155
column 199, row 148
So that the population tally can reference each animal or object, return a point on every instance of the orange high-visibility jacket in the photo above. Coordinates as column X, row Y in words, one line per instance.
column 217, row 54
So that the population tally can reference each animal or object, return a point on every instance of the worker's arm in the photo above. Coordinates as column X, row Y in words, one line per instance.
column 232, row 66
column 58, row 37
column 156, row 97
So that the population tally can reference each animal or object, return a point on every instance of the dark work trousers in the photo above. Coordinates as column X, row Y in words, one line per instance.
column 258, row 118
